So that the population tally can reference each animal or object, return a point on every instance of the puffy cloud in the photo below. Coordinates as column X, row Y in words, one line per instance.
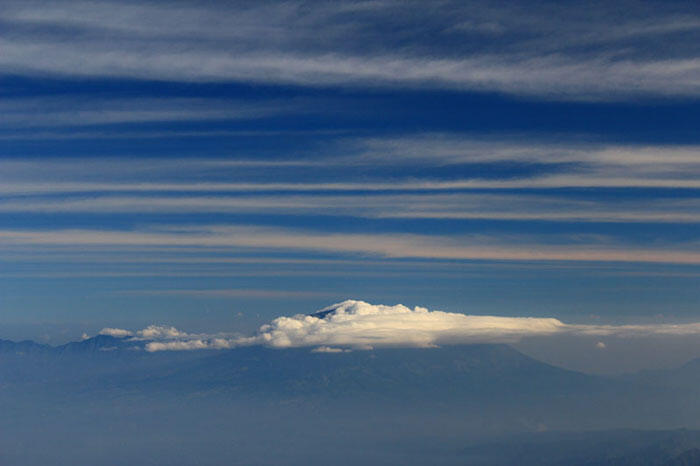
column 360, row 325
column 161, row 337
column 158, row 332
column 116, row 332
column 194, row 344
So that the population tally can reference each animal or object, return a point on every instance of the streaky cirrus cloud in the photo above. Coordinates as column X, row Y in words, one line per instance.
column 428, row 205
column 577, row 51
column 56, row 112
column 460, row 247
column 360, row 325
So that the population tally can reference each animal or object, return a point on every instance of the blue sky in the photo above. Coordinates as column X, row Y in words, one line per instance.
column 213, row 165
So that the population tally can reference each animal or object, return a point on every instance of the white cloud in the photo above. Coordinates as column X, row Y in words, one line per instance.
column 628, row 331
column 116, row 332
column 329, row 349
column 426, row 205
column 363, row 326
column 458, row 247
column 359, row 324
column 192, row 343
column 158, row 332
column 48, row 112
column 542, row 49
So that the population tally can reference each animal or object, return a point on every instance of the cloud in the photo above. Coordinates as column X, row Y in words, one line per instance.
column 169, row 338
column 436, row 149
column 541, row 49
column 55, row 112
column 628, row 331
column 519, row 206
column 360, row 325
column 116, row 332
column 190, row 344
column 158, row 332
column 329, row 349
column 387, row 245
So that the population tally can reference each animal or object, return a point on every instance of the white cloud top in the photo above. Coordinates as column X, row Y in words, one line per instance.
column 360, row 324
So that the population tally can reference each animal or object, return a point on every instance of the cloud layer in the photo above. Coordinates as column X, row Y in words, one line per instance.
column 545, row 48
column 359, row 325
column 388, row 245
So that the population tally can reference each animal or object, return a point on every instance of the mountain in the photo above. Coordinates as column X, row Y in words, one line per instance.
column 26, row 347
column 412, row 372
column 486, row 380
column 106, row 400
column 99, row 343
column 446, row 371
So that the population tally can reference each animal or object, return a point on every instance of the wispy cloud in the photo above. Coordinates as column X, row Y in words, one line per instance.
column 77, row 111
column 485, row 206
column 451, row 149
column 364, row 163
column 478, row 45
column 469, row 247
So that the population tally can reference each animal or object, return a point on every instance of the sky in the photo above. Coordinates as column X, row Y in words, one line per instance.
column 216, row 165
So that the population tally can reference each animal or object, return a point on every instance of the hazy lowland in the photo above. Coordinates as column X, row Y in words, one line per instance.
column 105, row 400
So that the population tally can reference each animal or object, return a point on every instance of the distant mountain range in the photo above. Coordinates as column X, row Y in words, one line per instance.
column 479, row 390
column 487, row 368
column 86, row 346
column 468, row 374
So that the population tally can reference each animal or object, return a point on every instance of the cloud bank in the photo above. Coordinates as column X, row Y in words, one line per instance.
column 360, row 325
